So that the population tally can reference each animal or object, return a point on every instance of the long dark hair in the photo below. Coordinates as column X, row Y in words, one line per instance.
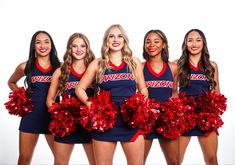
column 30, row 65
column 165, row 51
column 183, row 62
column 68, row 59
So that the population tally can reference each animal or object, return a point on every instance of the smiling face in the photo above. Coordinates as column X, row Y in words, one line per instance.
column 78, row 49
column 115, row 40
column 42, row 44
column 153, row 44
column 194, row 43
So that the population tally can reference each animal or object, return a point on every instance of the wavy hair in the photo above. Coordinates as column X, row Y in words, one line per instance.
column 105, row 52
column 183, row 62
column 30, row 64
column 165, row 51
column 68, row 60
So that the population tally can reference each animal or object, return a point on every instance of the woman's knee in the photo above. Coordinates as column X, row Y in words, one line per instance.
column 24, row 159
column 211, row 160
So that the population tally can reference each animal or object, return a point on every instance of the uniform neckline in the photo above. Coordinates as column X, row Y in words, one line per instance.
column 117, row 67
column 155, row 73
column 41, row 68
column 75, row 73
column 195, row 68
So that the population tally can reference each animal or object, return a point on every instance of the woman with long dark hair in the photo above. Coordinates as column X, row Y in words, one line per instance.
column 38, row 70
column 197, row 75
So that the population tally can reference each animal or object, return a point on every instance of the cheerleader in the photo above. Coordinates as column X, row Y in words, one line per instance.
column 161, row 80
column 65, row 79
column 120, row 73
column 38, row 70
column 197, row 74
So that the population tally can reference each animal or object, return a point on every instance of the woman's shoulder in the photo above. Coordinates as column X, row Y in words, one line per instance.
column 20, row 69
column 175, row 61
column 136, row 59
column 57, row 71
column 213, row 63
column 173, row 65
column 94, row 64
column 22, row 66
column 143, row 63
column 96, row 61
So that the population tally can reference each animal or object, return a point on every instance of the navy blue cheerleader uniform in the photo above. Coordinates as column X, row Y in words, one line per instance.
column 121, row 84
column 198, row 84
column 159, row 86
column 80, row 135
column 38, row 120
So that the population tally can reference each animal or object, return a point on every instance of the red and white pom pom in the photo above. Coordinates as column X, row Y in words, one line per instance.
column 65, row 115
column 19, row 103
column 102, row 114
column 63, row 124
column 210, row 108
column 190, row 117
column 141, row 112
column 209, row 122
column 171, row 122
column 85, row 118
column 212, row 102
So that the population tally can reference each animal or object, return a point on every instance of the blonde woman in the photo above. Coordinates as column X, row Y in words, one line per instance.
column 65, row 79
column 120, row 73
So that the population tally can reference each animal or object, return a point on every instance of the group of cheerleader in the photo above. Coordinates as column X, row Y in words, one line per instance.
column 98, row 102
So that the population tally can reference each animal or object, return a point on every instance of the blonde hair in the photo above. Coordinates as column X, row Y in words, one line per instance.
column 68, row 59
column 105, row 51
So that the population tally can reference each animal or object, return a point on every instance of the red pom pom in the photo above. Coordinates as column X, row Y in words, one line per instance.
column 65, row 115
column 210, row 107
column 19, row 103
column 85, row 118
column 212, row 102
column 102, row 114
column 190, row 117
column 209, row 122
column 171, row 121
column 63, row 124
column 139, row 111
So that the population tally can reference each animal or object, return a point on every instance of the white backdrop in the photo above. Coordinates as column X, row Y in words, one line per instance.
column 21, row 18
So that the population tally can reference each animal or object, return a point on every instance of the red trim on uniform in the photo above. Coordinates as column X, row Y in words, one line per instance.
column 136, row 135
column 41, row 68
column 153, row 72
column 117, row 67
column 195, row 68
column 75, row 73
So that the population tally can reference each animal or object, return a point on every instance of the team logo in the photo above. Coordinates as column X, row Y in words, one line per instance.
column 159, row 84
column 41, row 79
column 117, row 77
column 70, row 85
column 201, row 77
